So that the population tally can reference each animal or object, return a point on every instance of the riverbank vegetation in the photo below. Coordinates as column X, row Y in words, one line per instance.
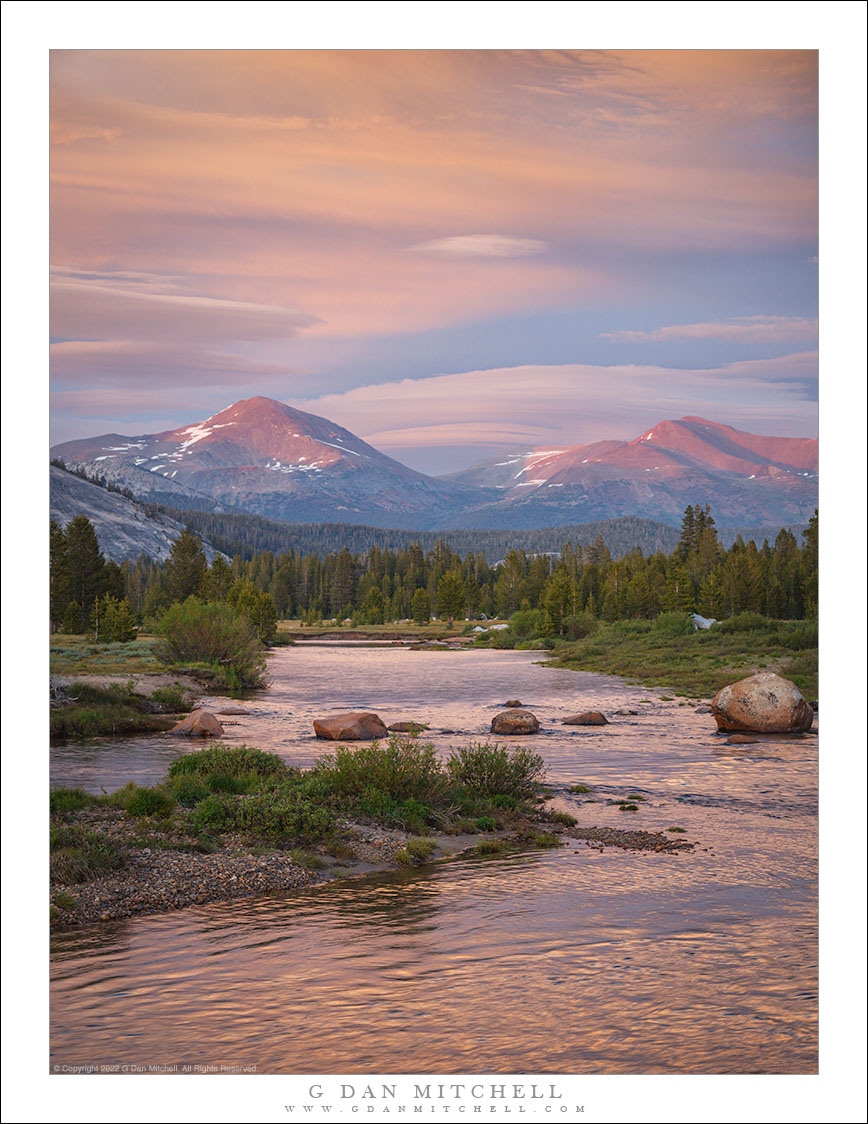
column 241, row 801
column 85, row 710
column 627, row 616
column 697, row 663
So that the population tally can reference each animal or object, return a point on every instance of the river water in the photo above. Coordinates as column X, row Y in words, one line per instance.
column 566, row 961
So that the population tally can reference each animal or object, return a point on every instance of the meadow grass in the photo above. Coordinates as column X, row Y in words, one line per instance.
column 698, row 664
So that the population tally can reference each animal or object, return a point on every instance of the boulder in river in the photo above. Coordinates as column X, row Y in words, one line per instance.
column 763, row 703
column 199, row 723
column 351, row 726
column 233, row 710
column 587, row 718
column 515, row 722
column 512, row 702
column 407, row 727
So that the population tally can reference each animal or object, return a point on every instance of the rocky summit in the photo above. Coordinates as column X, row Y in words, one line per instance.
column 262, row 457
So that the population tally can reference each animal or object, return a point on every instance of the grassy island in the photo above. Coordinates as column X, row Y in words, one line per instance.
column 235, row 821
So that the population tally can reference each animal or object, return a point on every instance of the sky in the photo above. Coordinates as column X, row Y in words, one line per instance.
column 449, row 253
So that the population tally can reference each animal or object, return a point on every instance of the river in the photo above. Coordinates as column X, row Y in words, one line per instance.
column 566, row 961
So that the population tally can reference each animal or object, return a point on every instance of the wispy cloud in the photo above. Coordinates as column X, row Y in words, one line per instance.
column 89, row 307
column 573, row 403
column 482, row 246
column 749, row 329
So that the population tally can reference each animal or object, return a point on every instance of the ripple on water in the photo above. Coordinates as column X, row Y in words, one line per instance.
column 546, row 961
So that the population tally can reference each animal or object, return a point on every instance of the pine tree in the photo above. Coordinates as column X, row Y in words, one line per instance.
column 72, row 622
column 342, row 583
column 557, row 599
column 86, row 563
column 421, row 606
column 257, row 607
column 217, row 580
column 451, row 595
column 186, row 567
column 810, row 564
column 686, row 542
column 60, row 578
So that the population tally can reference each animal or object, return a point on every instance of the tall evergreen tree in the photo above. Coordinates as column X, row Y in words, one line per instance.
column 451, row 595
column 421, row 606
column 60, row 578
column 217, row 580
column 186, row 567
column 86, row 564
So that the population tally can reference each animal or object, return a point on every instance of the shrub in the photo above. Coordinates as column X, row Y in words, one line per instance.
column 280, row 816
column 150, row 802
column 234, row 761
column 214, row 813
column 80, row 854
column 226, row 782
column 70, row 800
column 402, row 769
column 527, row 623
column 492, row 846
column 492, row 770
column 171, row 699
column 214, row 634
column 421, row 849
column 188, row 791
column 745, row 622
column 674, row 624
column 577, row 626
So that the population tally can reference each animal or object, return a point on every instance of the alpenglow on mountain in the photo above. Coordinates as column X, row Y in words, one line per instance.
column 262, row 457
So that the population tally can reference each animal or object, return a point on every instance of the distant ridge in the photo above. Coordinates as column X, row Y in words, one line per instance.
column 262, row 457
column 124, row 529
column 246, row 534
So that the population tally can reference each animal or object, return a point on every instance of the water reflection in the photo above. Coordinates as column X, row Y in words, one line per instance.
column 566, row 961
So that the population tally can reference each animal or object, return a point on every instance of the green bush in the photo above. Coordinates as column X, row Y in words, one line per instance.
column 215, row 813
column 527, row 623
column 188, row 790
column 213, row 634
column 234, row 761
column 745, row 622
column 171, row 699
column 70, row 800
column 577, row 626
column 674, row 624
column 402, row 769
column 225, row 782
column 80, row 854
column 150, row 802
column 492, row 846
column 280, row 816
column 492, row 770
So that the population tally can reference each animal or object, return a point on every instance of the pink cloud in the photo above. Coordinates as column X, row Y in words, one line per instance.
column 752, row 329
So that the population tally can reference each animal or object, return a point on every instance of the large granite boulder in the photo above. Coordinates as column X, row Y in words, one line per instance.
column 199, row 723
column 515, row 722
column 352, row 726
column 589, row 718
column 764, row 703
